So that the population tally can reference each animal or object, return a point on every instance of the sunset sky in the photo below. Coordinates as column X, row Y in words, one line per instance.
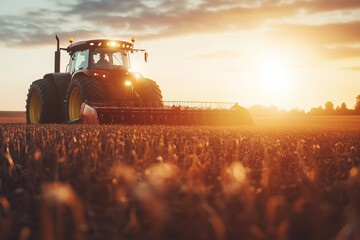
column 288, row 53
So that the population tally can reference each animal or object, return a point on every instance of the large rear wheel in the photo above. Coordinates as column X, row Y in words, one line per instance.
column 42, row 103
column 81, row 88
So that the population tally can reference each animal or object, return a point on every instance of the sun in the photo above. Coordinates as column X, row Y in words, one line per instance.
column 273, row 75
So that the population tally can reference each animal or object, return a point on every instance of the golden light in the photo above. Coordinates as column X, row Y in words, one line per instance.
column 237, row 172
column 353, row 172
column 160, row 173
column 113, row 44
column 273, row 74
column 137, row 76
column 127, row 83
column 233, row 178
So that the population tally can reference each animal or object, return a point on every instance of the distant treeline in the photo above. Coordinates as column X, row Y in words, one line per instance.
column 329, row 110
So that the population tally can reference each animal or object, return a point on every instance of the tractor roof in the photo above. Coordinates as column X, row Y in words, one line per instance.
column 104, row 43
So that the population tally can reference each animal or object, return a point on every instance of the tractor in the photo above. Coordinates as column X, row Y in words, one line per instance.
column 98, row 87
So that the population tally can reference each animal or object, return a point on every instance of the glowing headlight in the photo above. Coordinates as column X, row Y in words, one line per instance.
column 137, row 76
column 127, row 83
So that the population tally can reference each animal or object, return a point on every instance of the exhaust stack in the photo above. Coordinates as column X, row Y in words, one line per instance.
column 57, row 55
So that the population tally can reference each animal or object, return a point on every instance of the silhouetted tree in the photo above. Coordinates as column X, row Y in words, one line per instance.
column 316, row 111
column 357, row 106
column 342, row 110
column 343, row 106
column 263, row 111
column 296, row 112
column 273, row 111
column 329, row 108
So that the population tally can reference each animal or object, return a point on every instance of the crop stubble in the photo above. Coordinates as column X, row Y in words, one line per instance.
column 158, row 182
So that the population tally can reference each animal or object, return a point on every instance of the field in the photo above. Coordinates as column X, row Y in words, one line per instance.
column 325, row 122
column 12, row 117
column 159, row 182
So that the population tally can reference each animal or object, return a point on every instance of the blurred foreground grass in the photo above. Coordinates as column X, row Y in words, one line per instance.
column 158, row 182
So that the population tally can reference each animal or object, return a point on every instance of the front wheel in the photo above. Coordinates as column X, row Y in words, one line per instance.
column 81, row 88
column 150, row 93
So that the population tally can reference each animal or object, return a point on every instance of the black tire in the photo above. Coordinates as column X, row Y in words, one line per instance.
column 50, row 104
column 150, row 93
column 90, row 89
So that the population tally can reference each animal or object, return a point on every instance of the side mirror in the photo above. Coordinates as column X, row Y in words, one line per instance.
column 146, row 55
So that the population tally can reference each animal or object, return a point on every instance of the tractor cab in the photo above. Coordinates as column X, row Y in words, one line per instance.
column 100, row 55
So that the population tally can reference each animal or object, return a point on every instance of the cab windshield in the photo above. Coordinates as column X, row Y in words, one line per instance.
column 101, row 58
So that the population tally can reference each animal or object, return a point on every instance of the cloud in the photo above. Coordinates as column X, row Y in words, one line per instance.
column 350, row 68
column 339, row 36
column 95, row 8
column 19, row 32
column 36, row 29
column 338, row 53
column 163, row 19
column 327, row 5
column 341, row 33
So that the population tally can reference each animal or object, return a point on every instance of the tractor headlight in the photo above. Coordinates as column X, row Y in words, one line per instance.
column 137, row 76
column 112, row 44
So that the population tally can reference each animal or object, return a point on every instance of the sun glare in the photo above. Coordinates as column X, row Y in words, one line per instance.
column 274, row 79
column 273, row 75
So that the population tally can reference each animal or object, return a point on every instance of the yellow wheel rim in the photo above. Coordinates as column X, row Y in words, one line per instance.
column 74, row 104
column 35, row 108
